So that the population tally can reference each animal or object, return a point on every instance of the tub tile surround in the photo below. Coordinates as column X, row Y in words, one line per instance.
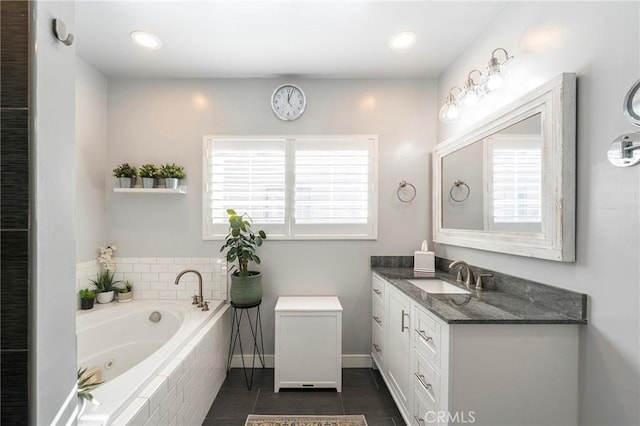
column 184, row 390
column 507, row 299
column 154, row 278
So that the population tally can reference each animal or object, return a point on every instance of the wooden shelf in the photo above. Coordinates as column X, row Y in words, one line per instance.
column 180, row 190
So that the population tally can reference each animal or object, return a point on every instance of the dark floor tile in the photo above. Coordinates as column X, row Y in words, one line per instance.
column 303, row 402
column 262, row 379
column 233, row 403
column 370, row 402
column 224, row 421
column 358, row 378
column 383, row 421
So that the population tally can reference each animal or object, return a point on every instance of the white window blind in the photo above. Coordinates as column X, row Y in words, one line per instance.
column 515, row 181
column 293, row 188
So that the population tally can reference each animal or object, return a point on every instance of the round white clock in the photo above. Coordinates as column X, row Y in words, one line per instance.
column 288, row 102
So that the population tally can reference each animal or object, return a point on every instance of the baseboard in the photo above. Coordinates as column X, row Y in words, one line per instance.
column 348, row 361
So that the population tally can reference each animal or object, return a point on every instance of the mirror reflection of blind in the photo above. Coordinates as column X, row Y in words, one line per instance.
column 292, row 187
column 331, row 182
column 517, row 182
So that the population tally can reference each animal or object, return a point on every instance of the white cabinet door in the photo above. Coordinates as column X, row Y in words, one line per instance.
column 398, row 346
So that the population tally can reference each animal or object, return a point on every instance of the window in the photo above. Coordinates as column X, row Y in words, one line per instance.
column 514, row 178
column 292, row 187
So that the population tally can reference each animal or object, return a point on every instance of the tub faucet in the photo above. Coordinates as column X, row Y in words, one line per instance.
column 198, row 298
column 469, row 281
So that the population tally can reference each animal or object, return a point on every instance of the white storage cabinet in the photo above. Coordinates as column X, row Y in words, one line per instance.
column 308, row 343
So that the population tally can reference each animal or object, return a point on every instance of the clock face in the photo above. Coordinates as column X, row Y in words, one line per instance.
column 288, row 102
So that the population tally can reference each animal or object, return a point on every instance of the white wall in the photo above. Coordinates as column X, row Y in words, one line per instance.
column 91, row 157
column 53, row 303
column 164, row 120
column 600, row 42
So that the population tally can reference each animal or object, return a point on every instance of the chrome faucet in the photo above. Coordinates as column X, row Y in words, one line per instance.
column 469, row 281
column 196, row 299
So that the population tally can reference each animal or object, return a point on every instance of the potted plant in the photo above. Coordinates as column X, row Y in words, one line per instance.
column 241, row 244
column 126, row 175
column 171, row 173
column 105, row 286
column 87, row 297
column 125, row 294
column 88, row 380
column 148, row 172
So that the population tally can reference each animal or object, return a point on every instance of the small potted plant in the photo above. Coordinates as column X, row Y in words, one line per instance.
column 105, row 286
column 125, row 294
column 87, row 298
column 172, row 173
column 126, row 175
column 148, row 172
column 241, row 244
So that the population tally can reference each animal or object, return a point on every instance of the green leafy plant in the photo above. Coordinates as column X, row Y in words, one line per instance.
column 148, row 171
column 105, row 281
column 87, row 383
column 172, row 170
column 125, row 170
column 86, row 293
column 242, row 242
column 128, row 286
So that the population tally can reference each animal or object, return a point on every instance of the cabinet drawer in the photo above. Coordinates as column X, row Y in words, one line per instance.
column 377, row 314
column 422, row 411
column 426, row 382
column 427, row 337
column 377, row 288
column 376, row 340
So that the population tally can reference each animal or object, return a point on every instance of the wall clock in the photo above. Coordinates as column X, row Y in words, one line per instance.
column 288, row 102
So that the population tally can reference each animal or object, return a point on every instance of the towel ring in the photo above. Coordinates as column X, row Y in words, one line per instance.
column 408, row 199
column 458, row 184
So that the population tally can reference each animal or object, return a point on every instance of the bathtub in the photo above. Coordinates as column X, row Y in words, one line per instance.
column 167, row 371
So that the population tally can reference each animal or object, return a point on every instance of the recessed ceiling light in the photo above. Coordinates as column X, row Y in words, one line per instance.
column 145, row 39
column 403, row 40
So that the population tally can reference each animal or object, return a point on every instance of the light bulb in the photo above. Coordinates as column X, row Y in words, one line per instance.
column 494, row 81
column 403, row 40
column 145, row 39
column 449, row 112
column 470, row 98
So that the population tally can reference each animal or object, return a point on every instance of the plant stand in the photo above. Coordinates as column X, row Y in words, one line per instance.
column 256, row 328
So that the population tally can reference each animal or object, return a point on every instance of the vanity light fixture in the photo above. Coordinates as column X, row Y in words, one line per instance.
column 145, row 39
column 450, row 111
column 497, row 71
column 403, row 40
column 472, row 91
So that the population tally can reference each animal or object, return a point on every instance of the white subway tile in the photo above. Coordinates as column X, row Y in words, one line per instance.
column 173, row 371
column 167, row 401
column 149, row 276
column 159, row 268
column 162, row 286
column 166, row 295
column 136, row 413
column 200, row 260
column 155, row 392
column 132, row 276
column 184, row 294
column 141, row 267
column 154, row 418
column 151, row 294
column 124, row 267
column 166, row 276
column 148, row 260
column 141, row 286
column 166, row 260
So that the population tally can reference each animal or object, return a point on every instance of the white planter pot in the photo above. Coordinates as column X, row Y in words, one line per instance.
column 105, row 297
column 125, row 297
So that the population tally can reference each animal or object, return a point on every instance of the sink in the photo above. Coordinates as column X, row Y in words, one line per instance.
column 438, row 286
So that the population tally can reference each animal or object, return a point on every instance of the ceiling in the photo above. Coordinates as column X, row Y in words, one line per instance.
column 286, row 38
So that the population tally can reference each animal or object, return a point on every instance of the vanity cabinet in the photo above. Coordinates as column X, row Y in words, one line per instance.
column 481, row 373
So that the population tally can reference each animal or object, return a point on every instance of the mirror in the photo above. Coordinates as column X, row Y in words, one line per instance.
column 508, row 185
column 632, row 104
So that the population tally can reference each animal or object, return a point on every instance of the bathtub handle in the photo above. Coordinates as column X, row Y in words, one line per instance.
column 205, row 306
column 195, row 299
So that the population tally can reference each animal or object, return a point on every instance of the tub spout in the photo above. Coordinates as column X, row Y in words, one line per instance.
column 199, row 297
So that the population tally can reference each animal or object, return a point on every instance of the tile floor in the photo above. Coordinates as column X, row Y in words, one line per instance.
column 363, row 392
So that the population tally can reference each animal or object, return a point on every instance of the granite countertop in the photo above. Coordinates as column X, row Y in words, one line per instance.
column 485, row 306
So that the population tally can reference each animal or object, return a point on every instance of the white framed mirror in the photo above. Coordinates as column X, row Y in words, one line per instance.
column 508, row 184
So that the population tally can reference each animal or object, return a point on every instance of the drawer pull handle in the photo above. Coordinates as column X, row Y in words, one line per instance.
column 422, row 334
column 377, row 348
column 426, row 385
column 403, row 327
column 378, row 292
column 376, row 319
column 418, row 420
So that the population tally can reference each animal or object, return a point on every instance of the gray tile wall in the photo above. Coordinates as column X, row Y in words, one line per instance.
column 14, row 211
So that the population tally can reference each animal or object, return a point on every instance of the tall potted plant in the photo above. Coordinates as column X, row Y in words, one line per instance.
column 242, row 244
column 126, row 175
column 171, row 173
